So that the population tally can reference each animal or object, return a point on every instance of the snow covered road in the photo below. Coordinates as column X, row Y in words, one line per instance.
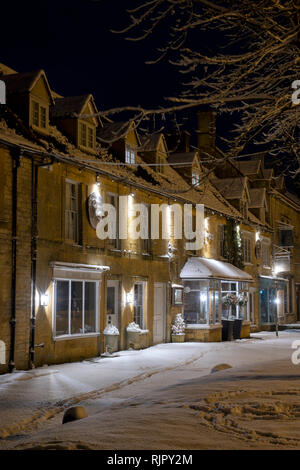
column 164, row 397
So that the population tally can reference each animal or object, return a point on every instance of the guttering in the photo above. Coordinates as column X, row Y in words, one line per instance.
column 120, row 179
column 110, row 176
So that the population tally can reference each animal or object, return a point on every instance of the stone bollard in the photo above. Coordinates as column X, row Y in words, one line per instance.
column 74, row 413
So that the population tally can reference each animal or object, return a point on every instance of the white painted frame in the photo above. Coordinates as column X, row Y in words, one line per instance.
column 163, row 284
column 97, row 310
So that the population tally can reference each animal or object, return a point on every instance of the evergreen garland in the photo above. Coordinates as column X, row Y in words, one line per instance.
column 233, row 249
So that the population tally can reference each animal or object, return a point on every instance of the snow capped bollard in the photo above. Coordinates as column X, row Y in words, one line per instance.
column 74, row 413
column 219, row 367
column 178, row 329
column 133, row 335
column 111, row 334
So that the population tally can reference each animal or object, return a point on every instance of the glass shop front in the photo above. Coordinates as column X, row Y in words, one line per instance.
column 273, row 299
column 208, row 301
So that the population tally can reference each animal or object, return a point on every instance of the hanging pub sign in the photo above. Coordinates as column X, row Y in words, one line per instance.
column 95, row 208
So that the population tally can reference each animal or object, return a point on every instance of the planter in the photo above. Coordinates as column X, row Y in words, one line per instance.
column 237, row 328
column 227, row 330
column 133, row 339
column 178, row 338
column 111, row 342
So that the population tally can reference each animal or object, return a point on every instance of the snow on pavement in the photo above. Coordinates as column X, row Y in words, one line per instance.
column 163, row 397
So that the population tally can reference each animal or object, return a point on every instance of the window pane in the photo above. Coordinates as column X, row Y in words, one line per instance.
column 83, row 134
column 195, row 307
column 139, row 304
column 91, row 137
column 43, row 117
column 110, row 304
column 35, row 113
column 62, row 303
column 90, row 307
column 76, row 307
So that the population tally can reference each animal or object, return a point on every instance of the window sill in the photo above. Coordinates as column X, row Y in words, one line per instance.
column 267, row 267
column 200, row 326
column 80, row 336
column 246, row 263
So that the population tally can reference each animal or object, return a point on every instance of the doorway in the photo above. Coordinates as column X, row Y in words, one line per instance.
column 159, row 313
column 112, row 303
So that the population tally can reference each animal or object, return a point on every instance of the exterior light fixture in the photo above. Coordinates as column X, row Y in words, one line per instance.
column 97, row 180
column 203, row 297
column 44, row 300
column 129, row 298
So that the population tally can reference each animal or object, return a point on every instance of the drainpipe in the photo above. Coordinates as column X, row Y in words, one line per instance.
column 15, row 165
column 34, row 236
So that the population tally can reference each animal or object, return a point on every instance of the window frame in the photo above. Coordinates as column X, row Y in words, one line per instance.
column 39, row 114
column 143, row 285
column 130, row 154
column 247, row 238
column 76, row 238
column 97, row 308
column 265, row 248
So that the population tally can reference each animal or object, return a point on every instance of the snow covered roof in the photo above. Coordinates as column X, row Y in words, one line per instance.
column 206, row 268
column 257, row 197
column 268, row 173
column 24, row 82
column 149, row 143
column 184, row 158
column 248, row 167
column 113, row 131
column 231, row 188
column 69, row 105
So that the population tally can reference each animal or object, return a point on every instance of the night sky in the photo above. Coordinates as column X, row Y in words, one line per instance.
column 72, row 42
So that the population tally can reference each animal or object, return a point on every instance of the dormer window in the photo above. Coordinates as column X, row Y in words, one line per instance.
column 86, row 136
column 130, row 154
column 39, row 115
column 160, row 164
column 195, row 178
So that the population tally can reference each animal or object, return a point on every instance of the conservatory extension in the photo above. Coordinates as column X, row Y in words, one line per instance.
column 213, row 290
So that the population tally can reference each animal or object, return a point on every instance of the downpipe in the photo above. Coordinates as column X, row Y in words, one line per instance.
column 34, row 237
column 16, row 154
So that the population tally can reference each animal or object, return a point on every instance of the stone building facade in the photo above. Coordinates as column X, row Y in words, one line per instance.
column 61, row 284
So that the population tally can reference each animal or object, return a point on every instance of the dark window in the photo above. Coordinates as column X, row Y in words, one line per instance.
column 35, row 113
column 83, row 134
column 91, row 138
column 286, row 237
column 43, row 117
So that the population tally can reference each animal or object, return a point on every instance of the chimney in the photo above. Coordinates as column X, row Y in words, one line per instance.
column 206, row 129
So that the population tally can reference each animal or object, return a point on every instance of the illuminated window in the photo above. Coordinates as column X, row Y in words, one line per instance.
column 75, row 307
column 195, row 178
column 130, row 155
